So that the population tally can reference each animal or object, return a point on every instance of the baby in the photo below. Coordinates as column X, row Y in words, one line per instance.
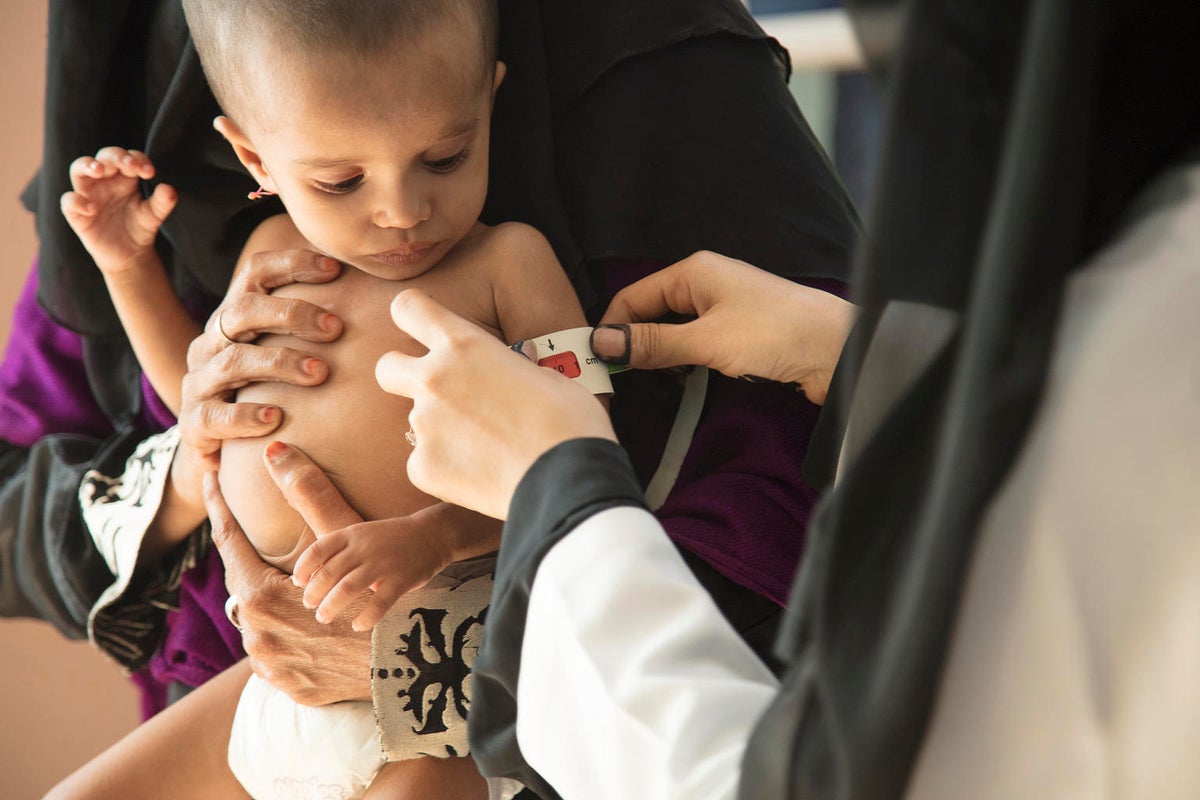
column 370, row 120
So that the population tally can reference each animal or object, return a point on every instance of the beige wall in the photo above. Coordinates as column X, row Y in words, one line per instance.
column 60, row 702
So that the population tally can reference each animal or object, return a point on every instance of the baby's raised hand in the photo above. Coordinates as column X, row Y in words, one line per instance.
column 388, row 558
column 107, row 211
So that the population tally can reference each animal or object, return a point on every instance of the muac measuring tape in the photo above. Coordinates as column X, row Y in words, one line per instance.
column 570, row 353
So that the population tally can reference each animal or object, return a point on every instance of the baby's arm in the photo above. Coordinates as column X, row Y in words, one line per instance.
column 533, row 295
column 118, row 227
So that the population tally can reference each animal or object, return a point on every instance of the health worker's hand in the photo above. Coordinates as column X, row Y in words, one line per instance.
column 749, row 324
column 481, row 413
column 314, row 664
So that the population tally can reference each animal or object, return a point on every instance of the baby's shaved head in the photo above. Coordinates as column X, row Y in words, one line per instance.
column 223, row 31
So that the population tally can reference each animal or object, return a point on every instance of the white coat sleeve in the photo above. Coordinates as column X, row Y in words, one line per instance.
column 627, row 681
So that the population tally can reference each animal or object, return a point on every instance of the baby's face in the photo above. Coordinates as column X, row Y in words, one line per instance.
column 381, row 162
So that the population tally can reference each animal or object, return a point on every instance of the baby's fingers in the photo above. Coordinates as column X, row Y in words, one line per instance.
column 316, row 556
column 77, row 208
column 160, row 205
column 86, row 170
column 130, row 163
column 376, row 607
column 347, row 590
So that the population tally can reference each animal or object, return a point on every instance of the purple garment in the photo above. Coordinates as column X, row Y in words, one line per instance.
column 200, row 642
column 44, row 390
column 43, row 385
column 740, row 501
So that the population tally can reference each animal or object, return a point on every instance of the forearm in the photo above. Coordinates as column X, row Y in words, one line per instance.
column 619, row 633
column 159, row 327
column 463, row 534
column 176, row 520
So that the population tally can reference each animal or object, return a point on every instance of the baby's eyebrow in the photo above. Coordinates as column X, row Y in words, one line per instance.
column 324, row 162
column 464, row 127
column 327, row 163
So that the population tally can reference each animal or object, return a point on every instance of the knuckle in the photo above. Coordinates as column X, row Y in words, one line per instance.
column 306, row 480
column 222, row 532
column 197, row 353
column 283, row 311
column 350, row 587
column 647, row 339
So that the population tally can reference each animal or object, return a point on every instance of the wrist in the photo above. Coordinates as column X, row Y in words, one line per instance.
column 131, row 272
column 463, row 533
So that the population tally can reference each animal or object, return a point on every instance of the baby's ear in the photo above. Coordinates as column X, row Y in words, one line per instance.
column 501, row 71
column 244, row 149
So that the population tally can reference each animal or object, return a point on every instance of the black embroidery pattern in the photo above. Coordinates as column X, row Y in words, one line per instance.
column 436, row 672
column 128, row 626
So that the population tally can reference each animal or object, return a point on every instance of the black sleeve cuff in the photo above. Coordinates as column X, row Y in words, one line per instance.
column 568, row 484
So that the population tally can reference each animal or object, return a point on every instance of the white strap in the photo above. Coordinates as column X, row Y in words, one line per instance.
column 570, row 352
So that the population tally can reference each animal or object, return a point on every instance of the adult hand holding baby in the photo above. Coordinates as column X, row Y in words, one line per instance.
column 314, row 664
column 222, row 359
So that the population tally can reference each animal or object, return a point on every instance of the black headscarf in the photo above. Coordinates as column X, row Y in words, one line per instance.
column 608, row 168
column 1018, row 132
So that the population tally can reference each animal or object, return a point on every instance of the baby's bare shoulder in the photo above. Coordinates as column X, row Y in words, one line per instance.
column 508, row 240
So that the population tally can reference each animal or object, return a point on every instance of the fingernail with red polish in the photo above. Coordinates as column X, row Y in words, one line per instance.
column 276, row 452
column 328, row 264
column 269, row 415
column 328, row 323
column 312, row 366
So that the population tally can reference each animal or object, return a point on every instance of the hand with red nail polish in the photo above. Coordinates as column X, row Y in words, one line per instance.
column 230, row 354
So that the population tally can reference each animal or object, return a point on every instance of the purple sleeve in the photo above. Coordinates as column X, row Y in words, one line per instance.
column 43, row 385
column 53, row 431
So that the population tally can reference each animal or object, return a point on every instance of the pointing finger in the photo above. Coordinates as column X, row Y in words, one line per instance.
column 427, row 321
column 308, row 489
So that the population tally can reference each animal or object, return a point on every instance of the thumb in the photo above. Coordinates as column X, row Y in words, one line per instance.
column 243, row 565
column 161, row 203
column 647, row 345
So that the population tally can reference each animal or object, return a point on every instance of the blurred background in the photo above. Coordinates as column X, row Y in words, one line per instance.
column 62, row 702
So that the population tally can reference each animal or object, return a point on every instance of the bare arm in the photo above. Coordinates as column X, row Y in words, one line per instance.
column 532, row 293
column 118, row 227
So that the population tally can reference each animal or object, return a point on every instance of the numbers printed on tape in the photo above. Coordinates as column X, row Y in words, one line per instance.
column 565, row 362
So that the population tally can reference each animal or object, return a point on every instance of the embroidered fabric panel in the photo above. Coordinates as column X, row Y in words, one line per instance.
column 421, row 659
column 117, row 511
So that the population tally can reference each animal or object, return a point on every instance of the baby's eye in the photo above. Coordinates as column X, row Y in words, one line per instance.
column 447, row 164
column 341, row 187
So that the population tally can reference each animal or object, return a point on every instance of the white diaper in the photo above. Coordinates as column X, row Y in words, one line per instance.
column 281, row 750
column 423, row 651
